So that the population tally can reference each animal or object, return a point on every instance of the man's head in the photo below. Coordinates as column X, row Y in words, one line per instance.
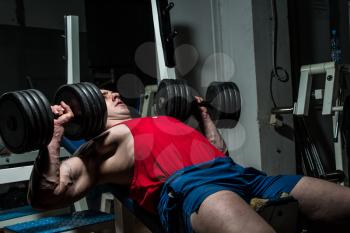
column 117, row 111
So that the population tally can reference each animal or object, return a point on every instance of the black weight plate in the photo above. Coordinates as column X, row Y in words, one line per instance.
column 102, row 103
column 71, row 95
column 99, row 104
column 40, row 125
column 32, row 128
column 231, row 98
column 15, row 122
column 101, row 116
column 31, row 121
column 36, row 135
column 48, row 116
column 233, row 105
column 12, row 123
column 188, row 100
column 238, row 102
column 225, row 98
column 231, row 101
column 160, row 98
column 214, row 98
column 182, row 105
column 46, row 113
column 177, row 99
column 66, row 93
column 86, row 108
column 171, row 98
column 227, row 120
column 164, row 98
column 228, row 114
column 210, row 99
column 90, row 120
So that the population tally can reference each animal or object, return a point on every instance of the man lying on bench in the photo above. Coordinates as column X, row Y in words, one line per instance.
column 171, row 169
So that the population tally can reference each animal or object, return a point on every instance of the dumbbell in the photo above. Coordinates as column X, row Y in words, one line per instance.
column 26, row 119
column 175, row 98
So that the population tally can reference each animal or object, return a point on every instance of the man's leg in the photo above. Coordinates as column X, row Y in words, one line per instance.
column 226, row 212
column 323, row 201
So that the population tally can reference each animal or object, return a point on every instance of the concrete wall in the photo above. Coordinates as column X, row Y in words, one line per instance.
column 277, row 151
column 230, row 40
column 194, row 44
column 236, row 19
column 43, row 14
column 32, row 45
column 202, row 58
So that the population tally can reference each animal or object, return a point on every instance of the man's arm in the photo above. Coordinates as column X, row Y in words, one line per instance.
column 54, row 184
column 209, row 129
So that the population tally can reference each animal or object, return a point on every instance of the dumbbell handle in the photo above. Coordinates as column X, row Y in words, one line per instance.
column 205, row 104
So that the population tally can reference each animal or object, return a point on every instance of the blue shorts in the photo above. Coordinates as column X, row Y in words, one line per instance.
column 183, row 192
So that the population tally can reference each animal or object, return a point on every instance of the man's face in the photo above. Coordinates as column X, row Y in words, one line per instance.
column 116, row 108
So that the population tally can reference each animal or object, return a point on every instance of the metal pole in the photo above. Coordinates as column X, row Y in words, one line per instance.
column 163, row 71
column 72, row 48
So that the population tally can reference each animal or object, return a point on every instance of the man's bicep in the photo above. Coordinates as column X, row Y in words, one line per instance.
column 71, row 168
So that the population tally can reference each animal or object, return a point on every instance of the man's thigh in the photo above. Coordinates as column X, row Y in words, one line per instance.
column 224, row 212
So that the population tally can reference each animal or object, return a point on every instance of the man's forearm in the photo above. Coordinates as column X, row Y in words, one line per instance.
column 212, row 134
column 46, row 174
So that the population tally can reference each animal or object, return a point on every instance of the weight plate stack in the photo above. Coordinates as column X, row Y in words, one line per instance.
column 237, row 103
column 44, row 116
column 225, row 102
column 88, row 106
column 164, row 99
column 214, row 97
column 186, row 101
column 47, row 116
column 72, row 95
column 25, row 124
column 173, row 99
column 99, row 106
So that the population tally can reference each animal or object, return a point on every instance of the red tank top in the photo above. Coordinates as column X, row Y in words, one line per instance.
column 163, row 145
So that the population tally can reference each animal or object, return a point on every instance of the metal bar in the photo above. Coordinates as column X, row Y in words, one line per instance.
column 289, row 110
column 338, row 152
column 120, row 218
column 302, row 106
column 147, row 101
column 283, row 110
column 81, row 204
column 27, row 157
column 337, row 108
column 163, row 71
column 72, row 48
column 328, row 97
column 17, row 174
column 106, row 202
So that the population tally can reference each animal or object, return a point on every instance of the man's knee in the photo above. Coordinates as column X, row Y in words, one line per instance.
column 322, row 200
